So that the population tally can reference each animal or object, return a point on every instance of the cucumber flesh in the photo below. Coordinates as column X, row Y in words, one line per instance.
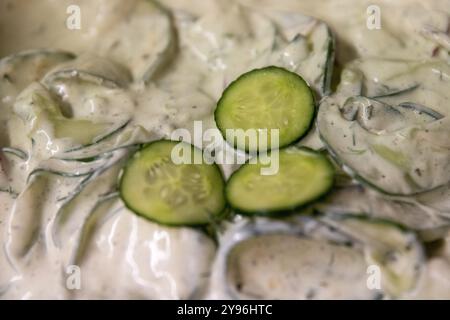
column 303, row 176
column 155, row 187
column 268, row 98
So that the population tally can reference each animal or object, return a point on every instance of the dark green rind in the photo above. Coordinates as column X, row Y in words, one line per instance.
column 329, row 64
column 235, row 82
column 15, row 152
column 200, row 226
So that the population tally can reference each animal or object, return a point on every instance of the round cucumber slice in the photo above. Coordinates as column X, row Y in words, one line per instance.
column 303, row 176
column 269, row 99
column 154, row 186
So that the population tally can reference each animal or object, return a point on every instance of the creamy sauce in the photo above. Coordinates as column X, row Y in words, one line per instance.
column 192, row 51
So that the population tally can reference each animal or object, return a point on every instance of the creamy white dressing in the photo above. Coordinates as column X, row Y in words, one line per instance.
column 192, row 51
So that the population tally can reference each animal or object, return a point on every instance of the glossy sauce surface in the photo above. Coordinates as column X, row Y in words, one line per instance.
column 192, row 50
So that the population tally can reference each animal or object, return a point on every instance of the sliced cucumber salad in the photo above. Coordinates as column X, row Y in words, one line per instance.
column 303, row 176
column 155, row 187
column 266, row 99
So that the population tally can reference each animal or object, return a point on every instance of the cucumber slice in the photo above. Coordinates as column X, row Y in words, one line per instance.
column 385, row 152
column 267, row 259
column 16, row 72
column 4, row 184
column 321, row 62
column 153, row 186
column 303, row 176
column 28, row 212
column 389, row 92
column 398, row 81
column 421, row 109
column 258, row 268
column 9, row 191
column 11, row 168
column 378, row 117
column 98, row 131
column 19, row 70
column 397, row 252
column 303, row 45
column 41, row 112
column 396, row 143
column 106, row 205
column 311, row 56
column 144, row 19
column 90, row 90
column 32, row 213
column 90, row 68
column 437, row 199
column 15, row 152
column 131, row 136
column 70, row 168
column 268, row 98
column 102, row 181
